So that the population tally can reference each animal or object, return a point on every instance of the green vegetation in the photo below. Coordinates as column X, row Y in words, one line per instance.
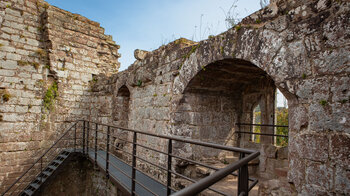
column 222, row 50
column 5, row 95
column 303, row 76
column 323, row 102
column 155, row 95
column 50, row 96
column 139, row 83
column 35, row 65
column 1, row 45
column 257, row 120
column 41, row 53
column 24, row 63
column 238, row 27
column 193, row 49
column 258, row 21
column 343, row 101
column 282, row 119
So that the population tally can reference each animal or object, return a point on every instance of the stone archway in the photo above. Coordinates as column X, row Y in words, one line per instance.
column 295, row 54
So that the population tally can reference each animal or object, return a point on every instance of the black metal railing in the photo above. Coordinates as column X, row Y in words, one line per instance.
column 95, row 141
column 261, row 125
column 134, row 157
column 37, row 168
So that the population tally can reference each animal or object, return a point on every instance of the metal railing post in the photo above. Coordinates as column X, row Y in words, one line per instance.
column 133, row 174
column 170, row 150
column 243, row 177
column 84, row 137
column 75, row 137
column 107, row 155
column 87, row 137
column 96, row 127
column 41, row 170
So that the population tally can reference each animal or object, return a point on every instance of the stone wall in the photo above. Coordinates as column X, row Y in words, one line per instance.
column 47, row 58
column 186, row 88
column 301, row 45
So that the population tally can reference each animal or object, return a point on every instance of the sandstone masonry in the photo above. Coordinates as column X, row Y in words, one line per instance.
column 188, row 89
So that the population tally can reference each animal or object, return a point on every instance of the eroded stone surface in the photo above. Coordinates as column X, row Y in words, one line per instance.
column 194, row 90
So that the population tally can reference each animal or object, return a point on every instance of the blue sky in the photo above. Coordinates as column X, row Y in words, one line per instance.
column 147, row 24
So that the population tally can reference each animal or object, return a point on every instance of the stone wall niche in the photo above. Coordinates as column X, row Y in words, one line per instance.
column 121, row 107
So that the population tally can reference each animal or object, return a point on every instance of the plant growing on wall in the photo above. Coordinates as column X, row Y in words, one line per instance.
column 50, row 96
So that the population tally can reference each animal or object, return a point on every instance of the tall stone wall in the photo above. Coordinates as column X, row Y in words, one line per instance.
column 47, row 58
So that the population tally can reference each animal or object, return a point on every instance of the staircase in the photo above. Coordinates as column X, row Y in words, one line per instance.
column 46, row 173
column 82, row 137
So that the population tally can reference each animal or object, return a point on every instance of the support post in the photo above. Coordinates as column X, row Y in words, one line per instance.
column 133, row 174
column 41, row 170
column 243, row 177
column 84, row 137
column 107, row 154
column 96, row 127
column 87, row 137
column 75, row 137
column 170, row 150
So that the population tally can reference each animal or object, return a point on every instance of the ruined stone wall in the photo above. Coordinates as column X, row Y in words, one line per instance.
column 47, row 58
column 302, row 45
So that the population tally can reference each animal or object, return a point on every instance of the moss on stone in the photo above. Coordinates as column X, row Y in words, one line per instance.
column 139, row 83
column 238, row 27
column 193, row 49
column 50, row 96
column 41, row 53
column 5, row 95
column 303, row 76
column 323, row 102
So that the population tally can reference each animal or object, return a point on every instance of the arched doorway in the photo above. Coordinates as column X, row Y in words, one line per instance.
column 216, row 100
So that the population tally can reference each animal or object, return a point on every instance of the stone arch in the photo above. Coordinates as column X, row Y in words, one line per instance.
column 251, row 47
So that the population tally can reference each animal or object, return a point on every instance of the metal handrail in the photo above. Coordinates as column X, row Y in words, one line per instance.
column 214, row 178
column 267, row 134
column 205, row 183
column 88, row 139
column 39, row 159
column 261, row 125
column 184, row 140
